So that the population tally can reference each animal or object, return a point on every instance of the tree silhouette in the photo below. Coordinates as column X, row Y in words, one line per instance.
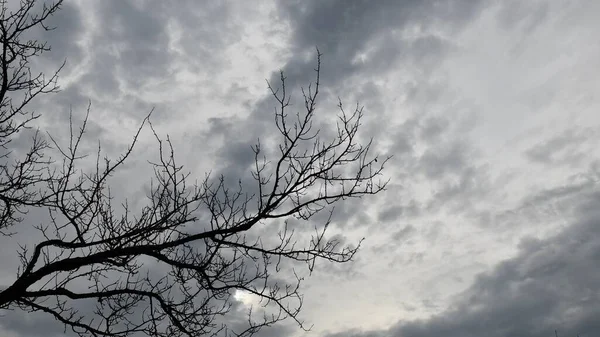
column 171, row 268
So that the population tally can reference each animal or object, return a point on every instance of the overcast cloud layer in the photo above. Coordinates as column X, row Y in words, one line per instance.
column 490, row 225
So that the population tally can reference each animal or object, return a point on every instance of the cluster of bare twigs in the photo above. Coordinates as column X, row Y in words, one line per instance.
column 19, row 180
column 159, row 270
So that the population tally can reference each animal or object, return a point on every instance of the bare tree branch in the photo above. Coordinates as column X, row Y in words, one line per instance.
column 114, row 258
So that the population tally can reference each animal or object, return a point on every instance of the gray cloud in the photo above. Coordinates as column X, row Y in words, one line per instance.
column 550, row 284
column 342, row 31
column 438, row 168
column 566, row 148
column 67, row 28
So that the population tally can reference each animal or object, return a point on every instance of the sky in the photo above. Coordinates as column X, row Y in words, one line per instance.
column 490, row 224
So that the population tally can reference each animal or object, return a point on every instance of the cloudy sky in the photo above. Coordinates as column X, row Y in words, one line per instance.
column 490, row 225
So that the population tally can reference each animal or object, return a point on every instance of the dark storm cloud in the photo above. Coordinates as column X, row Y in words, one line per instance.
column 130, row 44
column 67, row 28
column 342, row 30
column 550, row 284
column 129, row 47
column 135, row 36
